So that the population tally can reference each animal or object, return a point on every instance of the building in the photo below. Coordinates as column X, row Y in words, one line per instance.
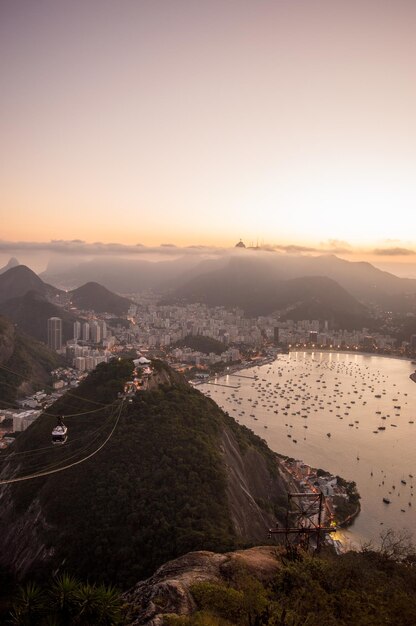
column 95, row 332
column 23, row 420
column 77, row 330
column 103, row 327
column 313, row 336
column 55, row 333
column 80, row 363
column 85, row 331
column 276, row 335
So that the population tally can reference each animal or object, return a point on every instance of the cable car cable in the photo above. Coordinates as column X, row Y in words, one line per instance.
column 61, row 469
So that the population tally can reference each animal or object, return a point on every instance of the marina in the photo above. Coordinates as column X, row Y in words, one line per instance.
column 350, row 414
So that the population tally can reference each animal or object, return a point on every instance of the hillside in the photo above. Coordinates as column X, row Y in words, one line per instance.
column 122, row 275
column 30, row 360
column 31, row 312
column 206, row 345
column 17, row 281
column 177, row 475
column 258, row 290
column 362, row 280
column 95, row 297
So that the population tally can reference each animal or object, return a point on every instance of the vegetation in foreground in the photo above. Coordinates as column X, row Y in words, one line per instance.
column 366, row 588
column 67, row 602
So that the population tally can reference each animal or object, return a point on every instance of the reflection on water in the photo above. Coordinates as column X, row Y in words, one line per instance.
column 353, row 415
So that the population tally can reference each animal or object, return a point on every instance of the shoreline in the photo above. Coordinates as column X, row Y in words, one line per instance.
column 352, row 520
column 370, row 354
column 269, row 360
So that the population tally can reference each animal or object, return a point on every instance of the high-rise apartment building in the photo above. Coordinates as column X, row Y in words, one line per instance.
column 95, row 332
column 77, row 330
column 85, row 331
column 276, row 334
column 103, row 326
column 55, row 333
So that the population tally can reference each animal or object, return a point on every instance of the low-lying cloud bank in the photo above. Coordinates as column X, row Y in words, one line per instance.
column 79, row 247
column 394, row 252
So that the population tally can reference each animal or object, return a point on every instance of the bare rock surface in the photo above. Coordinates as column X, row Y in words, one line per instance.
column 168, row 590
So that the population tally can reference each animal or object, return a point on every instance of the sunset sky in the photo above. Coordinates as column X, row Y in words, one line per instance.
column 287, row 122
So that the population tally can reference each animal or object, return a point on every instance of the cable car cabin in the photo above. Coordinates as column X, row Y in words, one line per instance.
column 59, row 434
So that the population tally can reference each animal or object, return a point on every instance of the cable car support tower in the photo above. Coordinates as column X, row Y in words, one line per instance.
column 304, row 522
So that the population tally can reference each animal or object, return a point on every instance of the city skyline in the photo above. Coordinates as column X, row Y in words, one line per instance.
column 288, row 124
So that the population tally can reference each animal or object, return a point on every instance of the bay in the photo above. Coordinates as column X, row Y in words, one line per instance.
column 351, row 414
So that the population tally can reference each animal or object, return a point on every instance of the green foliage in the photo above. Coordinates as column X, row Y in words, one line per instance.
column 31, row 360
column 349, row 589
column 203, row 344
column 67, row 602
column 240, row 603
column 157, row 489
column 30, row 605
column 361, row 589
column 221, row 600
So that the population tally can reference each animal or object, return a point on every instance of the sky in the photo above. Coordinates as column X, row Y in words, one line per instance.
column 283, row 122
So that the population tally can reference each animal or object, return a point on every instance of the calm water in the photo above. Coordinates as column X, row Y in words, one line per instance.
column 302, row 397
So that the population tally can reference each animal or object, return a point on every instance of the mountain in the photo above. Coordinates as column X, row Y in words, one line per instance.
column 13, row 262
column 365, row 282
column 31, row 312
column 95, row 297
column 256, row 273
column 123, row 275
column 176, row 474
column 25, row 364
column 17, row 281
column 255, row 287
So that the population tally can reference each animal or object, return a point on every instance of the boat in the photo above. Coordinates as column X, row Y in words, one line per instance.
column 386, row 501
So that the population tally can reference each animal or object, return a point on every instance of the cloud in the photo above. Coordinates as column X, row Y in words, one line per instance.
column 337, row 246
column 393, row 252
column 333, row 246
column 293, row 249
column 79, row 247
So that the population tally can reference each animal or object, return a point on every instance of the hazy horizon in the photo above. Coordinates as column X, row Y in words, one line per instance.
column 58, row 255
column 285, row 123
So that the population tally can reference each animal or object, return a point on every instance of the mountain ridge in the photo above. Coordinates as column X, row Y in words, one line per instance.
column 96, row 297
column 177, row 475
column 31, row 360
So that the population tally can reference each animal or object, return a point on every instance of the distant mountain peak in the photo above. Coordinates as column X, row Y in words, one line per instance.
column 96, row 297
column 13, row 262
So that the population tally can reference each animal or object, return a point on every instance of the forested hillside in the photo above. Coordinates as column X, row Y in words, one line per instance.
column 25, row 364
column 159, row 488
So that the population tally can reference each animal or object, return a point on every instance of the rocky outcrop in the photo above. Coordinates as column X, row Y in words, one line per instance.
column 168, row 591
column 250, row 484
column 17, row 552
